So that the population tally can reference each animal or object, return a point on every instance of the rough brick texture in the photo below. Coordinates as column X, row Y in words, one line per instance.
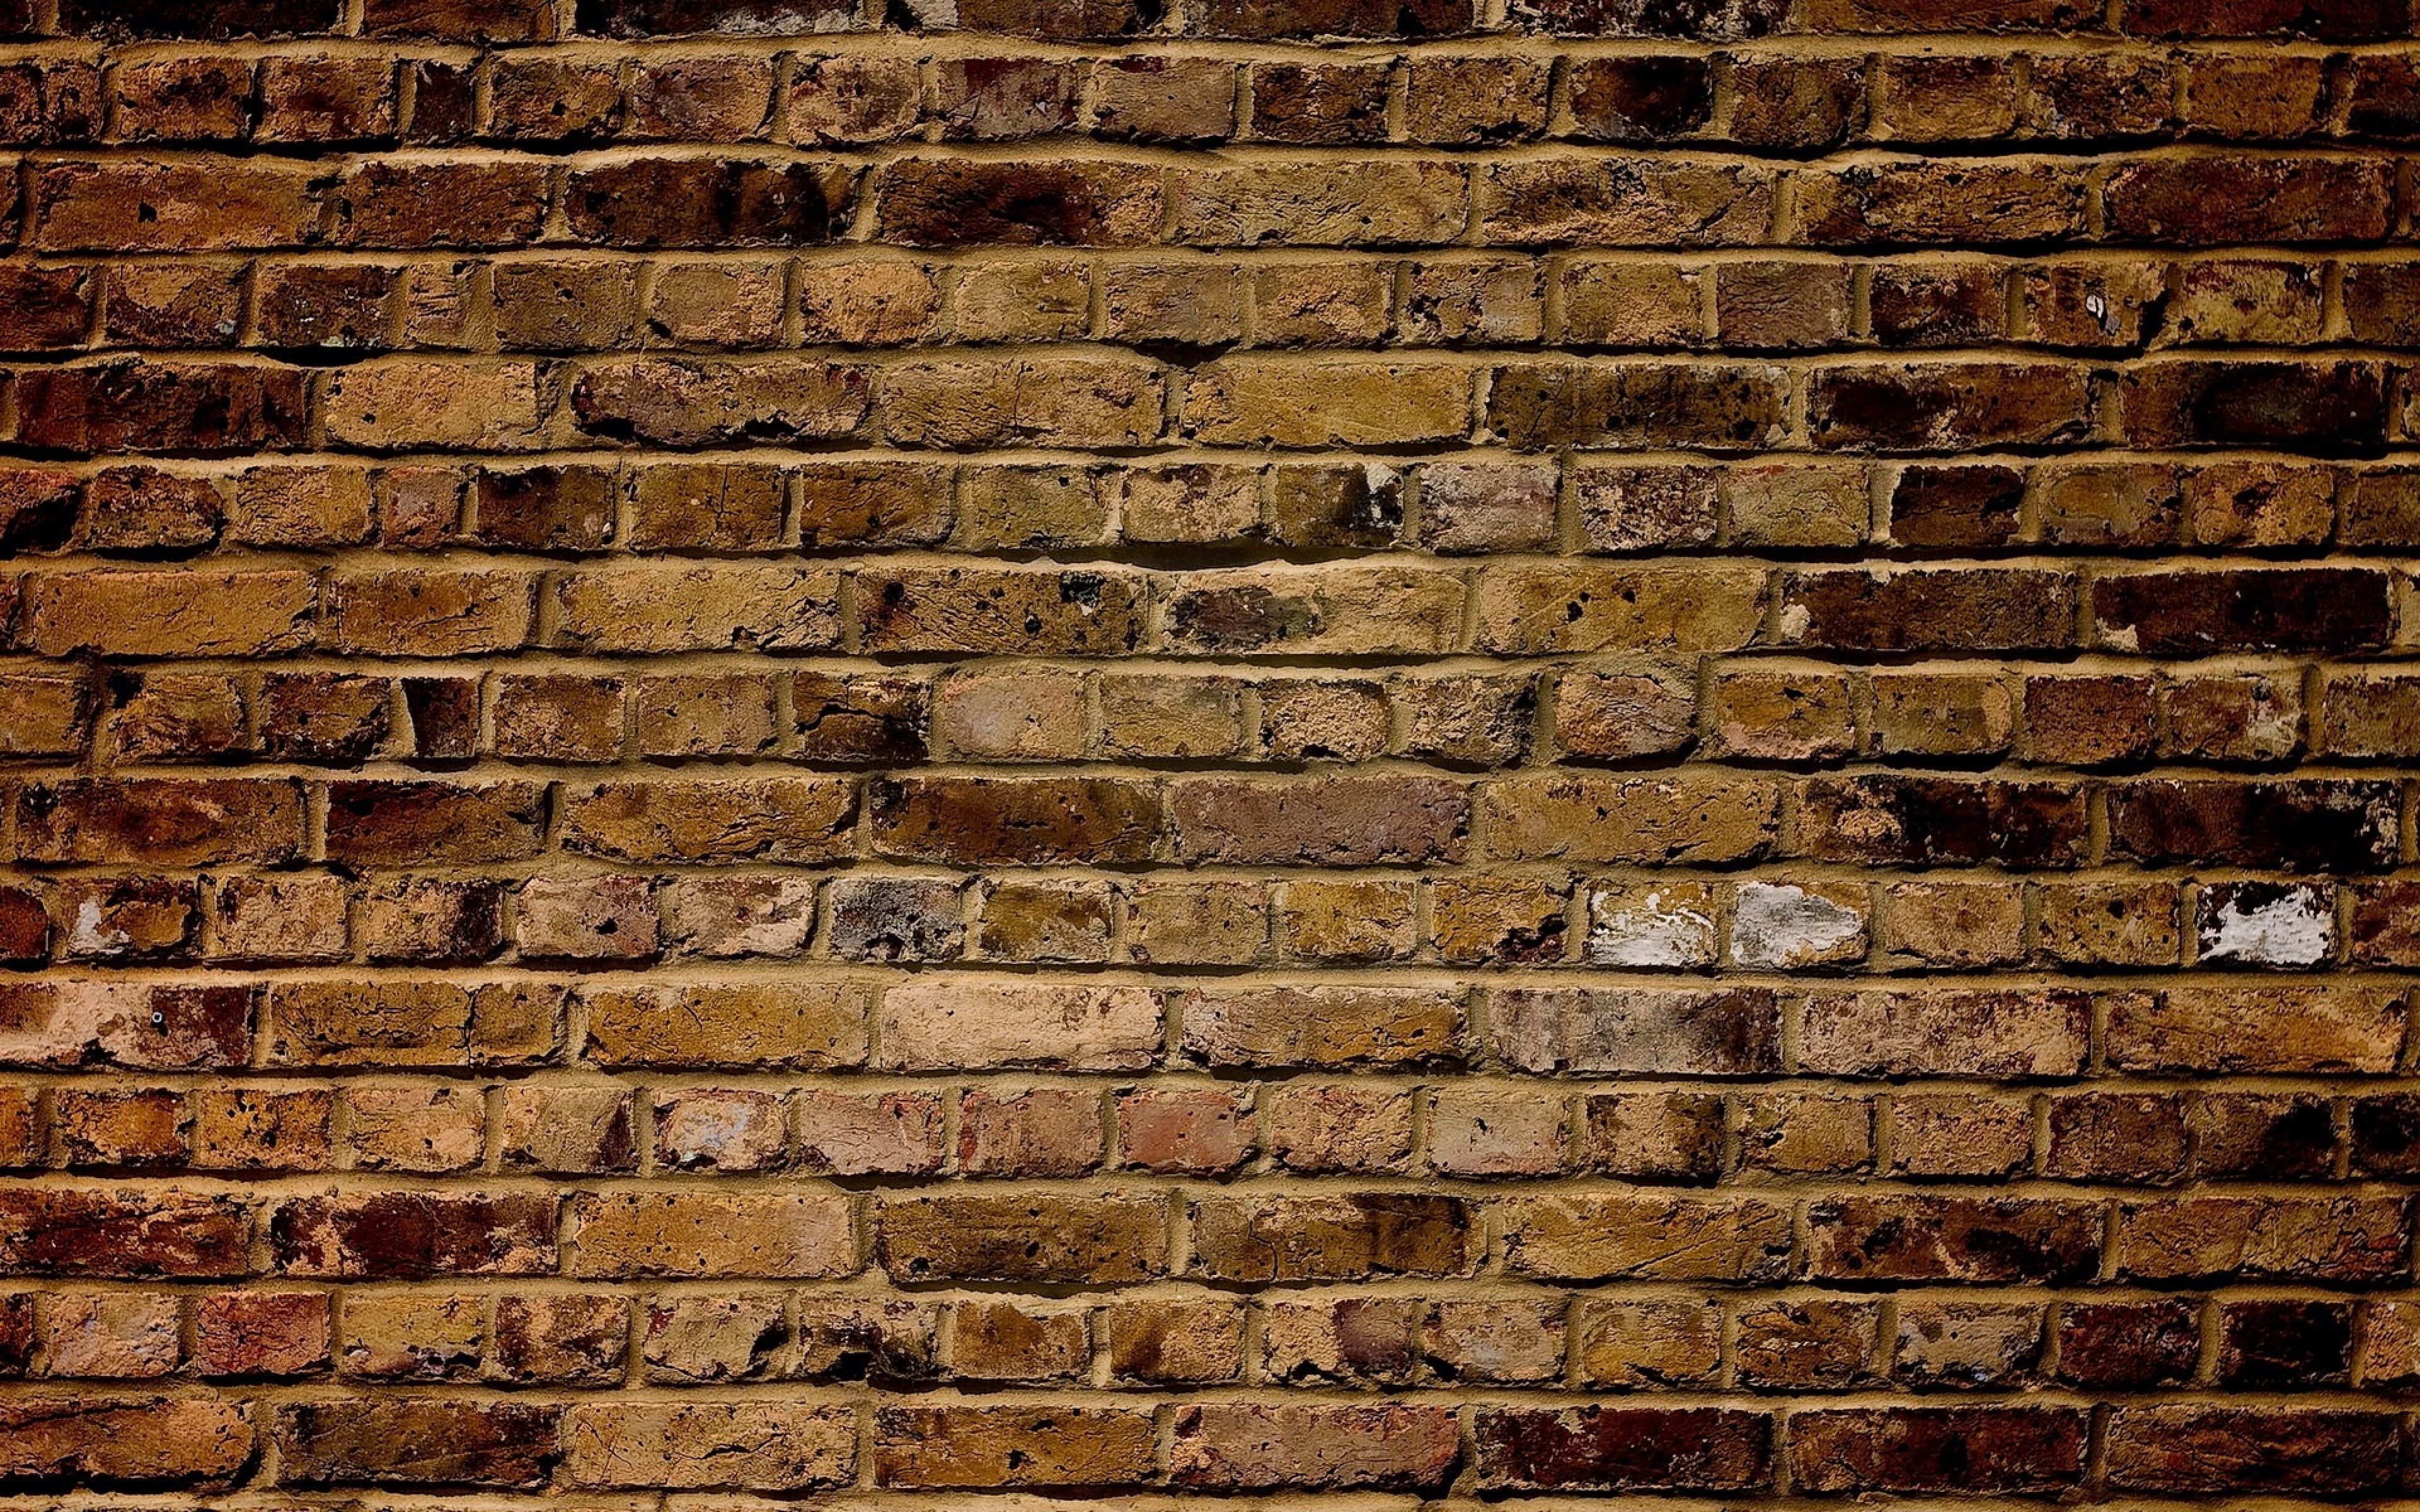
column 1314, row 754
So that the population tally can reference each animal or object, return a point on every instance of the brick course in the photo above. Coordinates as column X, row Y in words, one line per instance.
column 1347, row 751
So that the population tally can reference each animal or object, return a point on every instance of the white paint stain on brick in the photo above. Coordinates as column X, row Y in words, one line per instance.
column 1779, row 926
column 86, row 936
column 1660, row 927
column 2256, row 925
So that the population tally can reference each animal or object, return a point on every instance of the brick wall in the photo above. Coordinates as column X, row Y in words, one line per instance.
column 1310, row 747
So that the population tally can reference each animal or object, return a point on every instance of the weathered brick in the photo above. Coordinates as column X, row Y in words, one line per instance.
column 132, row 1442
column 83, row 1231
column 1293, row 1239
column 978, row 1236
column 415, row 1442
column 949, row 202
column 2190, row 1448
column 403, row 1235
column 1997, row 1449
column 1951, row 1239
column 962, row 1024
column 1646, row 1237
column 705, row 1234
column 963, row 1446
column 760, row 1446
column 1251, row 1447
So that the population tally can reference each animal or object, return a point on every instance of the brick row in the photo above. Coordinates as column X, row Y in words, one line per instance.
column 156, row 406
column 2114, row 1133
column 940, row 1023
column 1527, row 917
column 1796, row 1340
column 413, row 608
column 1750, row 712
column 354, row 305
column 2352, row 20
column 988, row 1235
column 1694, row 818
column 1436, row 96
column 1487, row 506
column 773, row 198
column 763, row 1445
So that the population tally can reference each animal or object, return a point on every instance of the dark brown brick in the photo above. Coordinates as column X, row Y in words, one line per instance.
column 2002, row 1450
column 2208, row 1448
column 410, row 1442
column 2190, row 613
column 2305, row 824
column 687, row 202
column 1624, row 1448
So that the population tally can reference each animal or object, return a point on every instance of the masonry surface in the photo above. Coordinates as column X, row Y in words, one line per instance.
column 1325, row 754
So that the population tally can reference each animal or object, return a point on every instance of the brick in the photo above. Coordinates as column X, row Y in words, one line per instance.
column 387, row 1443
column 1522, row 610
column 710, row 820
column 1648, row 1237
column 1937, row 820
column 2181, row 1448
column 2305, row 824
column 762, row 1446
column 414, row 403
column 1014, row 820
column 958, row 1024
column 1725, row 408
column 1001, row 1341
column 2279, row 1028
column 1948, row 1238
column 1561, row 200
column 70, row 1022
column 1277, row 612
column 1253, row 1446
column 976, row 1236
column 1725, row 1032
column 806, row 1024
column 402, row 1235
column 2002, row 1449
column 165, row 822
column 978, row 1446
column 2312, row 609
column 2003, row 1035
column 1294, row 1239
column 403, row 821
column 1334, row 821
column 2128, row 1344
column 81, row 1231
column 688, row 403
column 1705, row 1449
column 2344, row 1240
column 2322, row 407
column 194, row 612
column 699, row 1234
column 1009, row 401
column 1281, row 1026
column 1043, row 1133
column 262, row 1333
column 113, row 1440
column 569, row 1340
column 978, row 610
column 1643, row 820
column 946, row 203
column 661, row 610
